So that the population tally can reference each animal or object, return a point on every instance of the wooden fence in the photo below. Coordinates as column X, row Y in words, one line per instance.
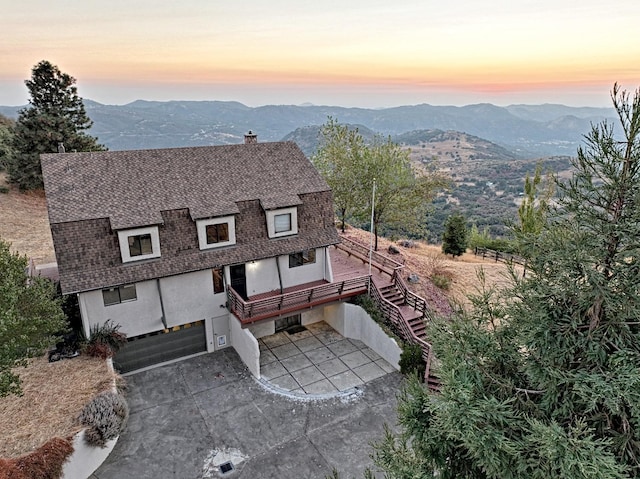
column 501, row 256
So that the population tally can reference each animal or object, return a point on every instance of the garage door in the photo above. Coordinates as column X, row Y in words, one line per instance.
column 143, row 351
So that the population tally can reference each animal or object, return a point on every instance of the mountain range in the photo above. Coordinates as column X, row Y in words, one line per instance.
column 525, row 130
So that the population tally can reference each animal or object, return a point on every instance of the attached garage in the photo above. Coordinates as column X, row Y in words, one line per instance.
column 150, row 349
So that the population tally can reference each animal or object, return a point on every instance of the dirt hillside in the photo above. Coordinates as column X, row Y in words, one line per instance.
column 425, row 260
column 25, row 224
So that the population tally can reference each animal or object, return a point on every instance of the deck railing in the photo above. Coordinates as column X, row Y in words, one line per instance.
column 278, row 304
column 393, row 314
column 379, row 261
column 418, row 303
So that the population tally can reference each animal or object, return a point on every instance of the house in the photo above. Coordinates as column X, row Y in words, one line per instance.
column 193, row 249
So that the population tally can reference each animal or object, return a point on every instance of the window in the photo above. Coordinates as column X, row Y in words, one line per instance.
column 302, row 257
column 218, row 280
column 119, row 294
column 282, row 222
column 139, row 243
column 216, row 232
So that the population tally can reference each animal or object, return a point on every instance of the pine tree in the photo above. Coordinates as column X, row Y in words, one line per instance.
column 55, row 116
column 455, row 235
column 543, row 380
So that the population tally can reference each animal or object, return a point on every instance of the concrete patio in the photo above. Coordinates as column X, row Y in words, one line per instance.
column 318, row 361
column 191, row 417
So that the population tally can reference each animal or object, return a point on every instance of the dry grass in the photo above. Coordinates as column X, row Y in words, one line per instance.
column 25, row 224
column 425, row 259
column 54, row 395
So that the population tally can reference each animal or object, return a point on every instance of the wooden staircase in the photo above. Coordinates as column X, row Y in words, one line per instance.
column 404, row 309
column 416, row 323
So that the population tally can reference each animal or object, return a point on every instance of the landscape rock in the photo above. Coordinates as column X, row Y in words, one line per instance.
column 413, row 278
column 393, row 250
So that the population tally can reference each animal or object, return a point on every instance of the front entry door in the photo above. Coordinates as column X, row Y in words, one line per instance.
column 239, row 280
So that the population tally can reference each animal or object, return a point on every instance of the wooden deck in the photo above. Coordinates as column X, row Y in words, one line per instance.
column 350, row 278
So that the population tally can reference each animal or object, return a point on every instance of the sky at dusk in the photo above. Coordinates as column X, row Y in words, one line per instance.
column 350, row 52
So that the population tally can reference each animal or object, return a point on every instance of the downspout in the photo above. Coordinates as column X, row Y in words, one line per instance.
column 279, row 274
column 162, row 318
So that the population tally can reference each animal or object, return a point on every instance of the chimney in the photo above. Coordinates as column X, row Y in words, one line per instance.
column 60, row 147
column 250, row 137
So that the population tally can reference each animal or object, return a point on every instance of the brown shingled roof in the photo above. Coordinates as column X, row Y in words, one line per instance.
column 132, row 187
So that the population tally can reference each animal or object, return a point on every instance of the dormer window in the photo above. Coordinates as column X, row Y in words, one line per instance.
column 139, row 243
column 216, row 232
column 282, row 222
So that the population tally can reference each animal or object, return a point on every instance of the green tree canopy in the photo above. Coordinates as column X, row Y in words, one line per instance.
column 29, row 315
column 542, row 380
column 339, row 158
column 536, row 202
column 455, row 235
column 403, row 195
column 6, row 141
column 55, row 116
column 350, row 167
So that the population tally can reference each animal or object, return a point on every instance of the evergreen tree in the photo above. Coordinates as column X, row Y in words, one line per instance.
column 455, row 235
column 6, row 141
column 532, row 213
column 29, row 315
column 543, row 380
column 55, row 116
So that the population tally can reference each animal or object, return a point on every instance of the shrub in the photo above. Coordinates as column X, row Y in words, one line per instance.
column 98, row 350
column 411, row 360
column 105, row 417
column 44, row 463
column 105, row 340
column 441, row 281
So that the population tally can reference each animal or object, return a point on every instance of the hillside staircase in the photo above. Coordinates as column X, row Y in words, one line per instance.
column 417, row 323
column 406, row 311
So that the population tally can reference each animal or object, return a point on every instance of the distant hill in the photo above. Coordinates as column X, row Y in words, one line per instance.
column 527, row 130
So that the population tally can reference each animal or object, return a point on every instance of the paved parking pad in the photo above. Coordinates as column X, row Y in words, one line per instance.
column 318, row 361
column 190, row 417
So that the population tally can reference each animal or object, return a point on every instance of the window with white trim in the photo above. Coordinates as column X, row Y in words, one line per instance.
column 282, row 222
column 139, row 243
column 119, row 294
column 216, row 232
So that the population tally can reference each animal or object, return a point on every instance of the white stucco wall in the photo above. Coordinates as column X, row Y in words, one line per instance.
column 262, row 276
column 246, row 345
column 328, row 270
column 189, row 297
column 134, row 317
column 305, row 273
column 352, row 321
column 262, row 329
column 310, row 316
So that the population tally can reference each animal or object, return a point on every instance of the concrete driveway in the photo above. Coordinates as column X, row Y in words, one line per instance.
column 189, row 418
